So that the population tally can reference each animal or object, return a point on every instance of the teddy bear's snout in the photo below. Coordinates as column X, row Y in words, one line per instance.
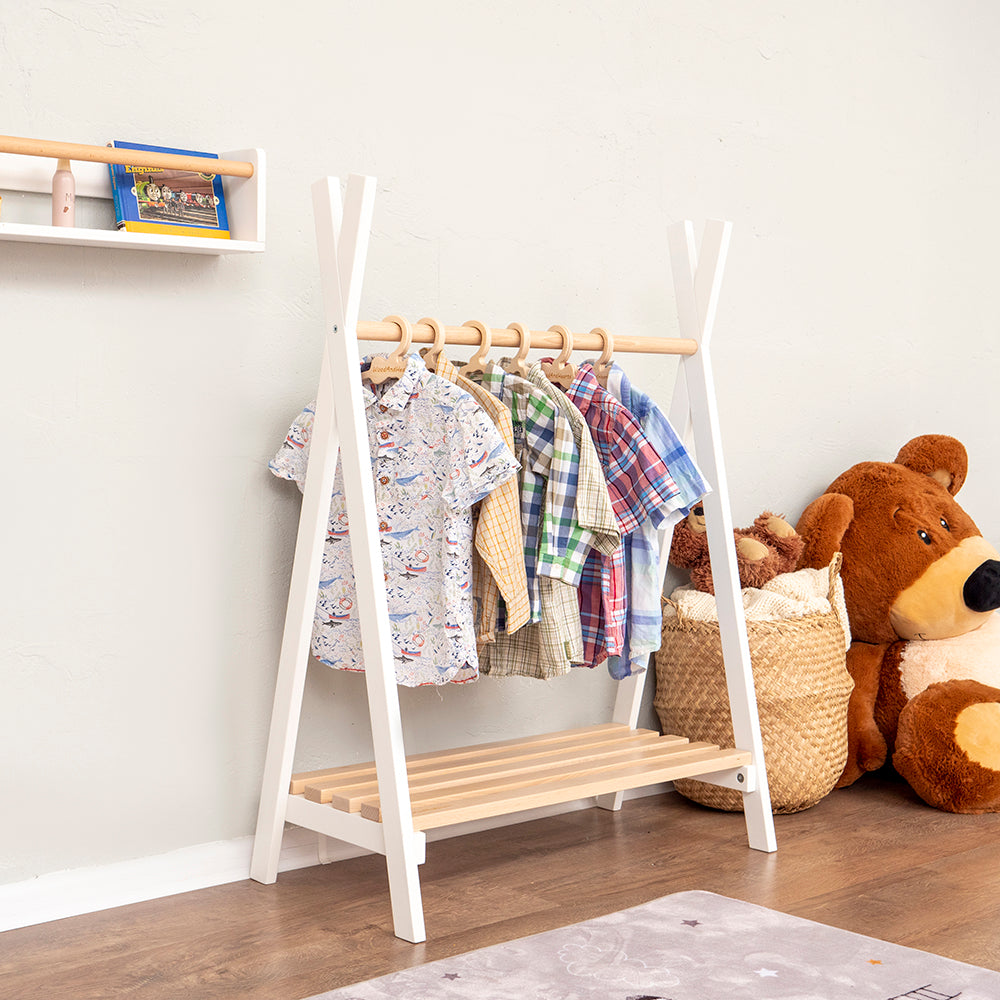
column 982, row 589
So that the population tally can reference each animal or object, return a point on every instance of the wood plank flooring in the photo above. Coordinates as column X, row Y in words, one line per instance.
column 872, row 859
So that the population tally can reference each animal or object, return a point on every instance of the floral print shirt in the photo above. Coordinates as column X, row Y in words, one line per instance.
column 434, row 453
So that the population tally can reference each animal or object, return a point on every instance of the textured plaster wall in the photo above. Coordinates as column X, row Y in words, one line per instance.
column 529, row 157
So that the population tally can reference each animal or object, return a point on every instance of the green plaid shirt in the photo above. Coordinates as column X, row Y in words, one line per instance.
column 594, row 513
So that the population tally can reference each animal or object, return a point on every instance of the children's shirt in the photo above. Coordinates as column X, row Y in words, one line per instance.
column 549, row 475
column 593, row 510
column 640, row 487
column 498, row 565
column 544, row 443
column 643, row 546
column 434, row 453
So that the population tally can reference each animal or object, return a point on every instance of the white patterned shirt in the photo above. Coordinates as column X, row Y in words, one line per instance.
column 434, row 453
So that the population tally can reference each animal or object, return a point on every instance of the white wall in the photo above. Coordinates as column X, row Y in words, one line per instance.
column 529, row 157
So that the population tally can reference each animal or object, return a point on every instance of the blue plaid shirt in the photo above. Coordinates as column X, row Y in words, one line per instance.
column 642, row 547
column 641, row 489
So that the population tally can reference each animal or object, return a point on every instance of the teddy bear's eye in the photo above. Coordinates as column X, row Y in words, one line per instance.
column 924, row 537
column 944, row 524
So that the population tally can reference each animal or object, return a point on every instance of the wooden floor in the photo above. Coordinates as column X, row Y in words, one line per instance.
column 872, row 859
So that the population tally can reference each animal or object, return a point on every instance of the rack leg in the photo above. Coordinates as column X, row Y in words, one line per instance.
column 342, row 232
column 697, row 285
column 294, row 659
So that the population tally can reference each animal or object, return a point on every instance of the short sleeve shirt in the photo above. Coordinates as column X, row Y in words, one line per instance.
column 434, row 453
column 640, row 487
column 643, row 546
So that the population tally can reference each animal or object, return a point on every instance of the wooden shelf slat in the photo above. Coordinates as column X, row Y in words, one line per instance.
column 461, row 810
column 350, row 798
column 494, row 779
column 332, row 777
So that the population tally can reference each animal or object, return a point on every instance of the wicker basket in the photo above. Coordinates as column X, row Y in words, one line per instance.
column 802, row 685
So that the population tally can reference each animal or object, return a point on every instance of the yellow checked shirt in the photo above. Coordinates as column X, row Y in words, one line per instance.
column 499, row 538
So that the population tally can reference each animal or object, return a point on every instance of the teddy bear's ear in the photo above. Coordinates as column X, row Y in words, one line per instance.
column 942, row 458
column 822, row 526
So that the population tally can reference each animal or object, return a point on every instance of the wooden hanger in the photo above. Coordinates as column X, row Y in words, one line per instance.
column 518, row 365
column 478, row 360
column 602, row 366
column 561, row 371
column 430, row 354
column 393, row 365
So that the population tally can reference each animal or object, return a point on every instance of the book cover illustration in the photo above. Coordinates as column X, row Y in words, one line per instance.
column 167, row 200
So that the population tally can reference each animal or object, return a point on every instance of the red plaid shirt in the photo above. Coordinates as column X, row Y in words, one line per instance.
column 641, row 488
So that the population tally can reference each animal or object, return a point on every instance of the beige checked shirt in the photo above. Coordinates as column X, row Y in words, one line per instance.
column 498, row 563
column 554, row 645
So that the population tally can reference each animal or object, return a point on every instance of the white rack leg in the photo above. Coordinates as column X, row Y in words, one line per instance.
column 342, row 234
column 294, row 659
column 697, row 288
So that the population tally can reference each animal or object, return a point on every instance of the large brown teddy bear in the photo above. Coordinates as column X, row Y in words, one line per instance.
column 921, row 585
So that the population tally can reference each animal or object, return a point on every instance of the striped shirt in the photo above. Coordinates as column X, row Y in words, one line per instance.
column 641, row 489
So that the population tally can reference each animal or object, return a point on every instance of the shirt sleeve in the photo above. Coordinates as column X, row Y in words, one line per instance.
column 292, row 457
column 479, row 458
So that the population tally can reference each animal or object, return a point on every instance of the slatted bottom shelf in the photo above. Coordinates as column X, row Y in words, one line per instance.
column 494, row 779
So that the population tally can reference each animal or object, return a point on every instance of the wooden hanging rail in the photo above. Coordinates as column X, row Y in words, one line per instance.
column 136, row 157
column 548, row 339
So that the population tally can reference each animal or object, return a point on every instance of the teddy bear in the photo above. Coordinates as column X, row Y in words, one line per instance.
column 768, row 547
column 922, row 586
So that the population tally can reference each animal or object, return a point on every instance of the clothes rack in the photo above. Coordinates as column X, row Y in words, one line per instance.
column 370, row 805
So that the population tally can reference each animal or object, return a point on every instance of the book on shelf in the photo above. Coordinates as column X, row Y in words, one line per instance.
column 168, row 200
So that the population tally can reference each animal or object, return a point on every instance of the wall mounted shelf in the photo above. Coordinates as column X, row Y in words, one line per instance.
column 245, row 205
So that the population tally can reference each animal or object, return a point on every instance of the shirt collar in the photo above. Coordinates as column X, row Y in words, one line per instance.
column 399, row 392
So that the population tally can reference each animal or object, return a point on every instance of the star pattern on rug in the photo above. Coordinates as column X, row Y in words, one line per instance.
column 451, row 975
column 691, row 923
column 874, row 961
column 765, row 972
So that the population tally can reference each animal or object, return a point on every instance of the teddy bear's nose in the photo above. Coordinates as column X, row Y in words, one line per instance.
column 982, row 589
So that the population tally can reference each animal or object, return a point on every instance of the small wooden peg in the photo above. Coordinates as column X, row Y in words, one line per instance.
column 478, row 360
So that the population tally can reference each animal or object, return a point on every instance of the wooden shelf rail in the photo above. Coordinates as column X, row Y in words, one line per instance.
column 136, row 157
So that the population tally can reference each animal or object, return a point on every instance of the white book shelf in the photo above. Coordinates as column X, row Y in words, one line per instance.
column 245, row 207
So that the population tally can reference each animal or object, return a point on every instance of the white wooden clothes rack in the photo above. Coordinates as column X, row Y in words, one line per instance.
column 386, row 806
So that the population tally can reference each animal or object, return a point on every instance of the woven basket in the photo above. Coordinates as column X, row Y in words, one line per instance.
column 802, row 685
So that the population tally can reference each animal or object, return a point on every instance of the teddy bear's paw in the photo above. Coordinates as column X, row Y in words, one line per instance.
column 948, row 746
column 778, row 526
column 752, row 550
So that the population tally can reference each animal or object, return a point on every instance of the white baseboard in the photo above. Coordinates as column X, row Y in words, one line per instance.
column 86, row 890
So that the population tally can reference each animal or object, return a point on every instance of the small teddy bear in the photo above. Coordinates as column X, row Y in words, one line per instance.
column 768, row 547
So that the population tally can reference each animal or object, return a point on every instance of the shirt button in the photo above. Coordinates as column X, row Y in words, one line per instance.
column 383, row 409
column 383, row 480
column 384, row 435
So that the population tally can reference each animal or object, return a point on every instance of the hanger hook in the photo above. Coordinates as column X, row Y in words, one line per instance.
column 607, row 346
column 524, row 345
column 485, row 340
column 430, row 354
column 406, row 335
column 567, row 346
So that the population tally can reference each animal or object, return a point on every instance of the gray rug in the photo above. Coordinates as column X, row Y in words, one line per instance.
column 689, row 946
